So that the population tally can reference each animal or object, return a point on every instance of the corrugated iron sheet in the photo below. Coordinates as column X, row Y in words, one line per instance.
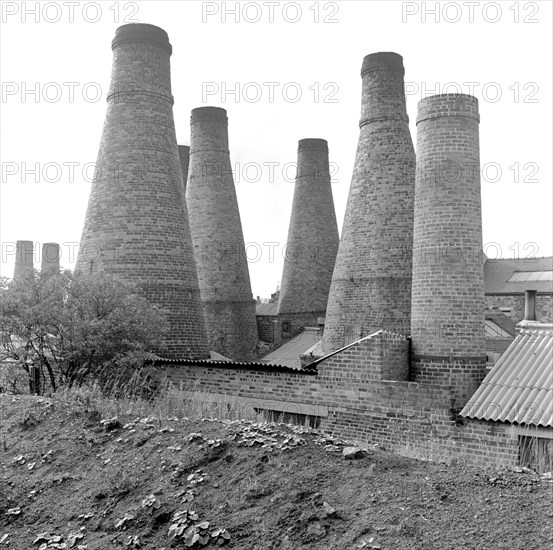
column 255, row 365
column 519, row 388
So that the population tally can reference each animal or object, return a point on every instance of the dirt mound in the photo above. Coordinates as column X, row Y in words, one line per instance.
column 70, row 479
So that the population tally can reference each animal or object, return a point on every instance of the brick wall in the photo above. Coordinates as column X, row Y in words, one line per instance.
column 268, row 328
column 300, row 320
column 353, row 398
column 498, row 345
column 544, row 306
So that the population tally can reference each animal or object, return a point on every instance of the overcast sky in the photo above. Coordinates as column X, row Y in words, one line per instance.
column 55, row 69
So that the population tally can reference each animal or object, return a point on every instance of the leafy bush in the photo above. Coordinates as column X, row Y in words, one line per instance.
column 75, row 327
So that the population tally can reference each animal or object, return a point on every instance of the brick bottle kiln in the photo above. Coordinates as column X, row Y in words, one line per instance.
column 312, row 241
column 218, row 240
column 371, row 284
column 136, row 224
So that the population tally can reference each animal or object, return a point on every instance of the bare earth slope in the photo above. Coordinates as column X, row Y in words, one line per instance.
column 69, row 480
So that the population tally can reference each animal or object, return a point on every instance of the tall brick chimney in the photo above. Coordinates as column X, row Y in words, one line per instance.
column 448, row 264
column 24, row 257
column 371, row 284
column 136, row 224
column 312, row 239
column 184, row 157
column 50, row 259
column 218, row 240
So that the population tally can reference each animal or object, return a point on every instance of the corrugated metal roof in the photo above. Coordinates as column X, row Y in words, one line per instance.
column 255, row 365
column 498, row 272
column 519, row 388
column 289, row 353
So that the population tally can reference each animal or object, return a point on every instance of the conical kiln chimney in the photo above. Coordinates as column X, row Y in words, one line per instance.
column 371, row 283
column 136, row 224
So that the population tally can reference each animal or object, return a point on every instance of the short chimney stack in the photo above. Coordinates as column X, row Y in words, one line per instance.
column 530, row 305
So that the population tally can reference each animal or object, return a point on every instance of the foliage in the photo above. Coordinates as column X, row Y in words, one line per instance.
column 74, row 327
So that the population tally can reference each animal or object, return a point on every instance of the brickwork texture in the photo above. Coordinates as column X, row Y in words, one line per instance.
column 544, row 306
column 371, row 283
column 136, row 224
column 362, row 394
column 184, row 157
column 218, row 239
column 313, row 237
column 447, row 317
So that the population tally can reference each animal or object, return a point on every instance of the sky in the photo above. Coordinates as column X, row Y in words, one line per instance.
column 284, row 71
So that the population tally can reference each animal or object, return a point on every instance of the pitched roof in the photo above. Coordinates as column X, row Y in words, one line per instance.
column 519, row 388
column 289, row 353
column 503, row 321
column 269, row 308
column 498, row 275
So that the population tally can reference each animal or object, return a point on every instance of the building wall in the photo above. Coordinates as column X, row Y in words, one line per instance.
column 498, row 345
column 544, row 306
column 299, row 321
column 361, row 394
column 268, row 327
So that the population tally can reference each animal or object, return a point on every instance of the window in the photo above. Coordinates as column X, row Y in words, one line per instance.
column 526, row 276
column 286, row 328
column 536, row 453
